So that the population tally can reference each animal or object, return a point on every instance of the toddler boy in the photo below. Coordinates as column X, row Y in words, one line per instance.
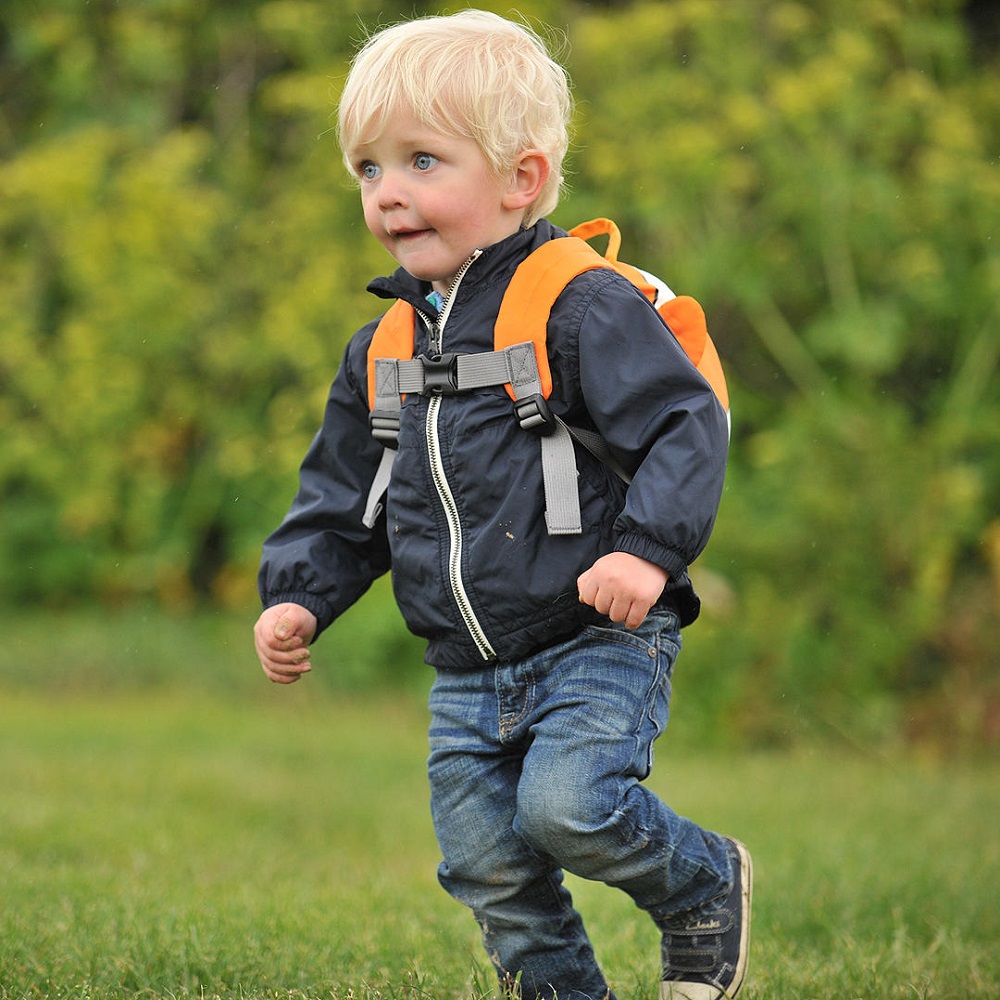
column 553, row 652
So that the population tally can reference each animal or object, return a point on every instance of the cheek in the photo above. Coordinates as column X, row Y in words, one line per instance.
column 460, row 213
column 373, row 218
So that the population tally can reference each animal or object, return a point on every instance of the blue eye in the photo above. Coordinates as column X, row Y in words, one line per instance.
column 369, row 171
column 424, row 161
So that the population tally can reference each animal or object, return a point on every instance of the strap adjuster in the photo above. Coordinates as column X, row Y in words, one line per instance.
column 384, row 425
column 533, row 414
column 440, row 374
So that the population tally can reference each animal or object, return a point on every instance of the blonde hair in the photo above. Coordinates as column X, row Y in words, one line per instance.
column 473, row 74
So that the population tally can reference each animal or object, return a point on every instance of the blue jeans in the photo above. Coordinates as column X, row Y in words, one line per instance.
column 535, row 769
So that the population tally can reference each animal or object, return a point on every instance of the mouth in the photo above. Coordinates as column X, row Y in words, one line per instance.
column 407, row 235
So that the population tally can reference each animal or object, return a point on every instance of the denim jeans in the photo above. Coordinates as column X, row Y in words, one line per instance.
column 536, row 768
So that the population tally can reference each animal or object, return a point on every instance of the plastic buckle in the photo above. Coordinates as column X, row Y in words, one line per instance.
column 534, row 414
column 384, row 425
column 440, row 375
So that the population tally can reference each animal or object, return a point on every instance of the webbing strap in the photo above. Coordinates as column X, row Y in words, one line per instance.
column 378, row 488
column 514, row 366
column 598, row 447
column 559, row 477
column 383, row 376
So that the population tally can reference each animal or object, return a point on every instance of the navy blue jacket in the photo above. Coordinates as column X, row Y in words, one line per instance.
column 490, row 583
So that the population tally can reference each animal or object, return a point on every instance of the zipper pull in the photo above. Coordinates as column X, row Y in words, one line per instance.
column 436, row 299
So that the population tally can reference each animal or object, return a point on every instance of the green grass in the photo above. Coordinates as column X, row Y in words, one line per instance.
column 173, row 837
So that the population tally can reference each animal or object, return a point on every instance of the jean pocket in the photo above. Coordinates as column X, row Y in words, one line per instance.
column 659, row 631
column 630, row 639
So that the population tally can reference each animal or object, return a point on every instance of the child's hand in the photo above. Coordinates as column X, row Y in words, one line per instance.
column 622, row 586
column 282, row 636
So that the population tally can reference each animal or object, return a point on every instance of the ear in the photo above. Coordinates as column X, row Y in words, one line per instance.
column 530, row 173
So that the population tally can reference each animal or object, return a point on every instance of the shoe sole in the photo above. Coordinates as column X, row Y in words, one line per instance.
column 705, row 991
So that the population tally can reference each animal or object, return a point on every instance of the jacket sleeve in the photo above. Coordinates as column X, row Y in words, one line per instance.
column 321, row 556
column 661, row 420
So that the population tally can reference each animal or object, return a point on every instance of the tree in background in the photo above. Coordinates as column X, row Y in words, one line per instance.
column 183, row 261
column 831, row 190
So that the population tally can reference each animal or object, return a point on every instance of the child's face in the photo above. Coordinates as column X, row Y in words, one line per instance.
column 432, row 199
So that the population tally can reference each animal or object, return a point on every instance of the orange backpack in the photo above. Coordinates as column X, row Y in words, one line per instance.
column 520, row 362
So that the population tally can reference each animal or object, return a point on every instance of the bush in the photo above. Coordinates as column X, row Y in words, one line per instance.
column 184, row 261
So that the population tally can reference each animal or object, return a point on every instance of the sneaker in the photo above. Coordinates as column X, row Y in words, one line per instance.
column 706, row 957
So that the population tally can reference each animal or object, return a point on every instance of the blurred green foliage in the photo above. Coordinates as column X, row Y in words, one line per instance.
column 182, row 260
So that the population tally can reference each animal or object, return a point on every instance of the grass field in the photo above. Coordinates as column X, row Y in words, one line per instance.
column 172, row 840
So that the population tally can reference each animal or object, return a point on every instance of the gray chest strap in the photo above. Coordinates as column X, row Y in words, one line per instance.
column 451, row 374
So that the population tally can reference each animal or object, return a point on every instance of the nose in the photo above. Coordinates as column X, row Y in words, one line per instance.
column 391, row 191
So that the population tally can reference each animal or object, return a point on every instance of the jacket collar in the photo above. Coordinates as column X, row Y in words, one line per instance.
column 494, row 263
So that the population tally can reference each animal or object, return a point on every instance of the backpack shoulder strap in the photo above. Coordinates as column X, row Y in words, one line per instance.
column 393, row 338
column 392, row 341
column 534, row 288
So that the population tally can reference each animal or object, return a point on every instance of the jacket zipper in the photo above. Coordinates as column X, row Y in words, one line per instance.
column 445, row 495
